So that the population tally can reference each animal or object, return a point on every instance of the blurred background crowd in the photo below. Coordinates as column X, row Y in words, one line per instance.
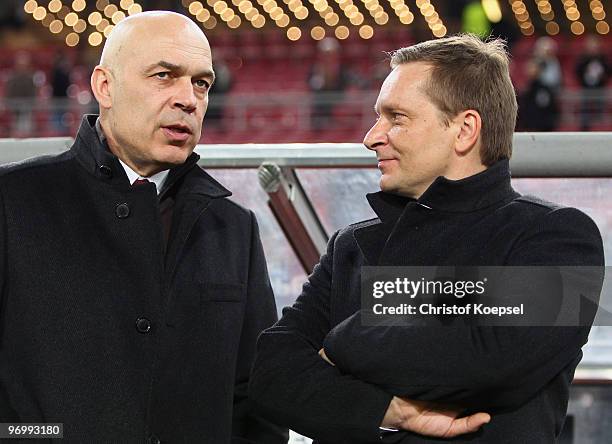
column 307, row 70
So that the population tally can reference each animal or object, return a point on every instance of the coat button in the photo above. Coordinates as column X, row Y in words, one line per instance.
column 143, row 325
column 153, row 439
column 122, row 211
column 105, row 170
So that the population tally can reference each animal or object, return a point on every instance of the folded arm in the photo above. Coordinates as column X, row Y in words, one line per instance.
column 480, row 367
column 290, row 381
column 294, row 385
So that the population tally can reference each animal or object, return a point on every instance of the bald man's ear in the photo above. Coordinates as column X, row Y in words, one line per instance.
column 101, row 84
column 468, row 137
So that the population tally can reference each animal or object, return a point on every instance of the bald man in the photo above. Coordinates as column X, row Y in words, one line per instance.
column 132, row 289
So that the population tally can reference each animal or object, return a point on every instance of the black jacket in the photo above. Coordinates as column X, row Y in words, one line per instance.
column 102, row 330
column 520, row 375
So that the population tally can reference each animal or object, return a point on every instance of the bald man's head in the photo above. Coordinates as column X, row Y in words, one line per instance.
column 152, row 87
column 130, row 33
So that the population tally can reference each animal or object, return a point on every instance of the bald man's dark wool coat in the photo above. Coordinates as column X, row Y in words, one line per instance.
column 103, row 330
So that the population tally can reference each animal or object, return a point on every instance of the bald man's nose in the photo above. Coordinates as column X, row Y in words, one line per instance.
column 185, row 97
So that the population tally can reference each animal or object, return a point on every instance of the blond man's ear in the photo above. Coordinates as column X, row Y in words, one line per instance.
column 468, row 136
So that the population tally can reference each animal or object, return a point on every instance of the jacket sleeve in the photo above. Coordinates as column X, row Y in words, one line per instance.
column 6, row 411
column 293, row 385
column 480, row 367
column 260, row 313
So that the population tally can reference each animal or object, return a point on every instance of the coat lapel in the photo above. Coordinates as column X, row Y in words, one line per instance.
column 372, row 238
column 186, row 213
column 196, row 192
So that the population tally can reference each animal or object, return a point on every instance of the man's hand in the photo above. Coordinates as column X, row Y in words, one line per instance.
column 427, row 418
column 431, row 419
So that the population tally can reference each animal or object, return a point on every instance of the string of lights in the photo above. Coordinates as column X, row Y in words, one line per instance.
column 73, row 25
column 599, row 14
column 428, row 11
column 200, row 13
column 521, row 14
column 573, row 15
column 92, row 21
column 402, row 11
column 548, row 15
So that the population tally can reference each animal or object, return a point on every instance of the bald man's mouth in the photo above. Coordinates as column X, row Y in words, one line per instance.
column 177, row 132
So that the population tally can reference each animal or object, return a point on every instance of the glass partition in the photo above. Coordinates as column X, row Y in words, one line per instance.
column 286, row 273
column 338, row 195
column 592, row 197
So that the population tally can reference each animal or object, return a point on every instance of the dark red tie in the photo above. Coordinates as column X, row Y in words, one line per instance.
column 140, row 182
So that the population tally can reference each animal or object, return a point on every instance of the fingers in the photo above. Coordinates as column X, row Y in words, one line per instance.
column 325, row 358
column 467, row 424
column 433, row 419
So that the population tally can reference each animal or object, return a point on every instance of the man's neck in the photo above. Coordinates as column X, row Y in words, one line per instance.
column 132, row 172
column 464, row 170
column 458, row 171
column 113, row 147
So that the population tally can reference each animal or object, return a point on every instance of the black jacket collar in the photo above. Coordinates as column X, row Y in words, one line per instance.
column 478, row 192
column 472, row 193
column 97, row 159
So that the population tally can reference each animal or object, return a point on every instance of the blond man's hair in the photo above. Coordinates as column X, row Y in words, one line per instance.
column 468, row 73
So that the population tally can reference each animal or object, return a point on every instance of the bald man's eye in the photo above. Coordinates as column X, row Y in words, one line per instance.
column 202, row 84
column 162, row 75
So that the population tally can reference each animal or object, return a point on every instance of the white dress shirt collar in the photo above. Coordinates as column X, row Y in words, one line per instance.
column 158, row 179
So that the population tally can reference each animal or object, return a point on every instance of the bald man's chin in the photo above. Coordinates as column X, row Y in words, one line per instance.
column 178, row 153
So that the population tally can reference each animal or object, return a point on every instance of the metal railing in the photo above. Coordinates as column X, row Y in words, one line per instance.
column 556, row 154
